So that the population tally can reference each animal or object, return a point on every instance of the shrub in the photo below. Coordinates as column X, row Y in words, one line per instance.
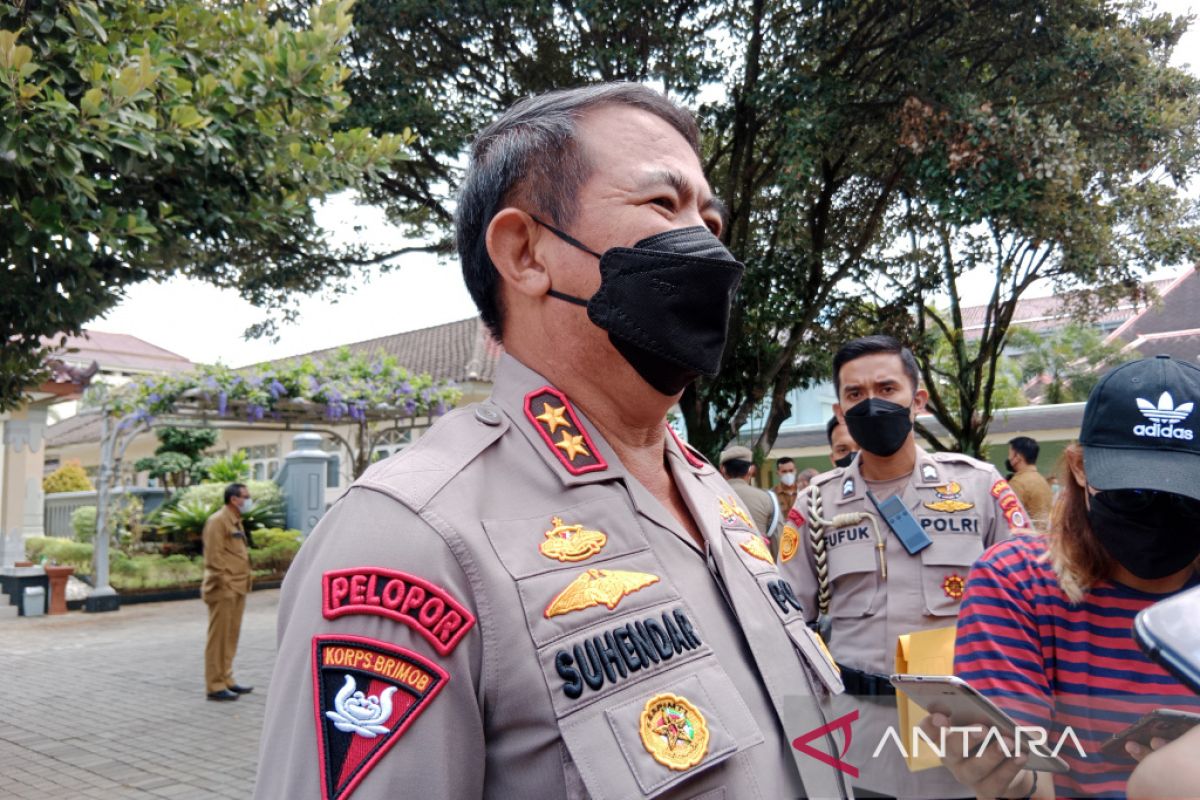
column 70, row 477
column 66, row 552
column 186, row 518
column 274, row 549
column 229, row 469
column 213, row 493
column 83, row 522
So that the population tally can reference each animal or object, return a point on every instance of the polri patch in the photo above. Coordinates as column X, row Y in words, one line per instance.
column 423, row 606
column 366, row 694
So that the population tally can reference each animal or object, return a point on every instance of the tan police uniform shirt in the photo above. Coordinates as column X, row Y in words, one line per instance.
column 501, row 611
column 226, row 558
column 757, row 502
column 964, row 506
column 1035, row 494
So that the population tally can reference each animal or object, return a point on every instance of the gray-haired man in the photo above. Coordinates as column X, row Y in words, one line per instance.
column 548, row 595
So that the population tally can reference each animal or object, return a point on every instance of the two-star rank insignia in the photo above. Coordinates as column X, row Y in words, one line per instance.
column 366, row 693
column 949, row 499
column 757, row 548
column 556, row 421
column 598, row 587
column 673, row 731
column 565, row 542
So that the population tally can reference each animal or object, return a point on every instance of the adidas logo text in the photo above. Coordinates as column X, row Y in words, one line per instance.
column 1164, row 417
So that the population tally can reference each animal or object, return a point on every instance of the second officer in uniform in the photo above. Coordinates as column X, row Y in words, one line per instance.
column 858, row 573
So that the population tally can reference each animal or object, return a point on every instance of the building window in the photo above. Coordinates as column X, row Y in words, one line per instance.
column 390, row 443
column 264, row 461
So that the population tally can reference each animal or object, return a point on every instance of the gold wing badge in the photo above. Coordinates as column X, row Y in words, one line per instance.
column 948, row 499
column 755, row 547
column 597, row 587
column 571, row 542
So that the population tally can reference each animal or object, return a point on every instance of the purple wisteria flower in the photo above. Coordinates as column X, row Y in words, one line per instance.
column 222, row 403
column 277, row 389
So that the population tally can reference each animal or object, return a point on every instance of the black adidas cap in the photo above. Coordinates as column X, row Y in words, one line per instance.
column 1141, row 428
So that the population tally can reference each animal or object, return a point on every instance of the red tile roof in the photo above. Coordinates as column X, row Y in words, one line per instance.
column 120, row 352
column 1048, row 313
column 456, row 351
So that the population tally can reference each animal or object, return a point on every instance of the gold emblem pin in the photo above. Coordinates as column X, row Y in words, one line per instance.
column 597, row 587
column 674, row 732
column 755, row 547
column 948, row 499
column 789, row 543
column 731, row 512
column 954, row 586
column 571, row 542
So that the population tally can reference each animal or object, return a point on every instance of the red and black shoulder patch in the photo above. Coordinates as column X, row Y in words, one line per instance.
column 366, row 694
column 1010, row 505
column 423, row 606
column 551, row 413
column 690, row 453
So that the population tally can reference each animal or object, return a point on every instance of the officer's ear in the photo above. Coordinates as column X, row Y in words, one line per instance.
column 511, row 239
column 920, row 398
column 837, row 412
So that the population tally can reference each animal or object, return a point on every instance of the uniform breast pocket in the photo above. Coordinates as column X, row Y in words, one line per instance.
column 854, row 578
column 944, row 568
column 671, row 737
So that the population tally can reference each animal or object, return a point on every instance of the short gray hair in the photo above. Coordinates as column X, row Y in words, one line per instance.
column 530, row 157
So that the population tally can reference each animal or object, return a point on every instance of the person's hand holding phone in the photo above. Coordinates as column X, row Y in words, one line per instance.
column 1167, row 769
column 988, row 772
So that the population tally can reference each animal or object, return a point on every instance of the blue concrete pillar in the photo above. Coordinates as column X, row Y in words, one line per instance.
column 302, row 481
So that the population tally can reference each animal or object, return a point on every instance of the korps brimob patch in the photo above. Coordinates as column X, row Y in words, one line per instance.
column 366, row 693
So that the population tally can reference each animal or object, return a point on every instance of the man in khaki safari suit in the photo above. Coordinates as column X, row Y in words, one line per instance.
column 226, row 584
column 548, row 595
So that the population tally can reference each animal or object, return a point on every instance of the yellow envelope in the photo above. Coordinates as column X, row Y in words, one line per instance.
column 923, row 653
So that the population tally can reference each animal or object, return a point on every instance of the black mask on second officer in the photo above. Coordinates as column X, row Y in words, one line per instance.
column 879, row 426
column 664, row 302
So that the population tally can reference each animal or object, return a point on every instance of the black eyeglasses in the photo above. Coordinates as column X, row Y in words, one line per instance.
column 1133, row 501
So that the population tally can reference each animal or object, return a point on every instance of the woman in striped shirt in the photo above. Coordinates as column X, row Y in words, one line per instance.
column 1045, row 626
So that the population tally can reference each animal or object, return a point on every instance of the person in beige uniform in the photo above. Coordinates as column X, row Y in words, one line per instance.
column 737, row 467
column 785, row 491
column 851, row 567
column 226, row 584
column 548, row 595
column 1034, row 490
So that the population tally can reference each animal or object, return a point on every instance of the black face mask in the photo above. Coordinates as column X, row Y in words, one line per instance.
column 664, row 302
column 1008, row 466
column 879, row 426
column 1151, row 534
column 844, row 461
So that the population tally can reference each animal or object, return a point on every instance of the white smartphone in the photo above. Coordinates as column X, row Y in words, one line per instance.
column 964, row 705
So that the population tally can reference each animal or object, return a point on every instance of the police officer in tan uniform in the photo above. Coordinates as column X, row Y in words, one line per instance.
column 548, row 595
column 737, row 467
column 226, row 583
column 849, row 561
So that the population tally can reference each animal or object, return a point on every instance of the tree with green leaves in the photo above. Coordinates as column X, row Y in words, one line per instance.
column 1065, row 363
column 143, row 139
column 179, row 460
column 806, row 144
column 1068, row 170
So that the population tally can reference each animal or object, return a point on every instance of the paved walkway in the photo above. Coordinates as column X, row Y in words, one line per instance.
column 112, row 705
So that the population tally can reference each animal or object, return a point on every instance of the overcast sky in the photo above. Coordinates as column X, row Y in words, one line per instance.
column 205, row 324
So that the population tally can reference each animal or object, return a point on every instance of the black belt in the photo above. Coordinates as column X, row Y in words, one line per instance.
column 866, row 683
